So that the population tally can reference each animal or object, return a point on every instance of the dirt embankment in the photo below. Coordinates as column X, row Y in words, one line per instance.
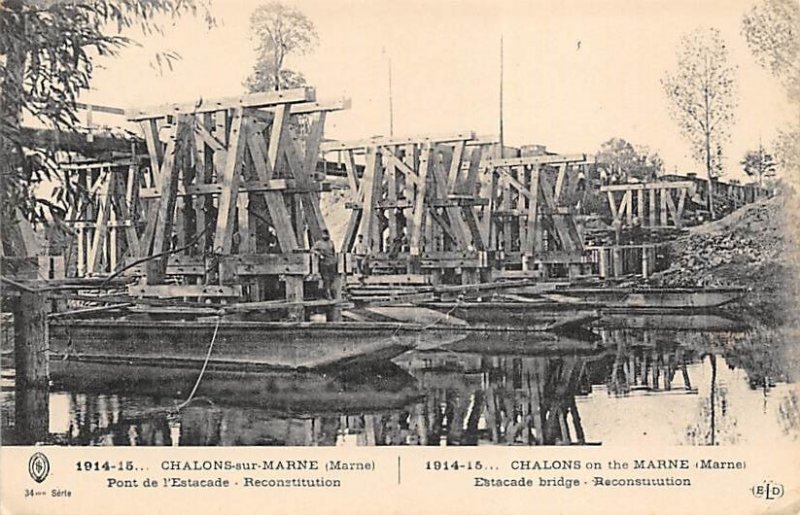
column 757, row 247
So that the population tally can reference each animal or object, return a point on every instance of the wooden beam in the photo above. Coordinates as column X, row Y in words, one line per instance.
column 155, row 230
column 453, row 175
column 101, row 224
column 533, row 211
column 679, row 212
column 208, row 138
column 184, row 290
column 390, row 142
column 352, row 176
column 371, row 184
column 230, row 184
column 419, row 209
column 154, row 148
column 271, row 98
column 322, row 107
column 648, row 186
column 535, row 160
column 400, row 165
column 312, row 213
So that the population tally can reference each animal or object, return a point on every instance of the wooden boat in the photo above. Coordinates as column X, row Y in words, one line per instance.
column 620, row 299
column 237, row 345
column 534, row 316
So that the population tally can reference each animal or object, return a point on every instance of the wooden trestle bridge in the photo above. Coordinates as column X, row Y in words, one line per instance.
column 218, row 211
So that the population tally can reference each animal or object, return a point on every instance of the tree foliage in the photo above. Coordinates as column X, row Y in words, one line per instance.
column 280, row 31
column 772, row 30
column 786, row 147
column 702, row 96
column 623, row 158
column 758, row 163
column 49, row 49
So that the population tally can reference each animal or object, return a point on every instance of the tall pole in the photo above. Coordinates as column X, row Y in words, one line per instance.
column 502, row 141
column 391, row 105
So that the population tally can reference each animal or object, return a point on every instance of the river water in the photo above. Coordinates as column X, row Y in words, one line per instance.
column 637, row 387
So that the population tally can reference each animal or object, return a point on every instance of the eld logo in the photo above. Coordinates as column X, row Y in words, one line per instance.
column 39, row 467
column 768, row 491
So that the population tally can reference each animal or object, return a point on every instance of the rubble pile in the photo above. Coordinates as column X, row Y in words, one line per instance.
column 716, row 254
column 753, row 247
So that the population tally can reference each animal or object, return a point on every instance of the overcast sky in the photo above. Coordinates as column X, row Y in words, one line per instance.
column 577, row 72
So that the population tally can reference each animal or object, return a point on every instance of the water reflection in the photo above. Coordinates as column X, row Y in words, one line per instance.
column 632, row 387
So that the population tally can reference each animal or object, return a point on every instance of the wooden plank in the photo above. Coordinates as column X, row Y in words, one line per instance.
column 370, row 183
column 392, row 141
column 271, row 98
column 671, row 208
column 127, row 207
column 453, row 175
column 535, row 160
column 533, row 212
column 627, row 203
column 154, row 148
column 560, row 179
column 184, row 290
column 679, row 213
column 206, row 137
column 390, row 171
column 302, row 169
column 419, row 208
column 640, row 205
column 165, row 207
column 400, row 165
column 99, row 240
column 352, row 176
column 652, row 215
column 468, row 186
column 663, row 214
column 278, row 134
column 280, row 185
column 613, row 205
column 647, row 186
column 247, row 241
column 223, row 235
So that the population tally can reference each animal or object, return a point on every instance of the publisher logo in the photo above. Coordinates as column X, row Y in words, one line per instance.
column 39, row 467
column 768, row 491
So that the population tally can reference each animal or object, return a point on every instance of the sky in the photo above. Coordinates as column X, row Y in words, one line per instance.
column 577, row 72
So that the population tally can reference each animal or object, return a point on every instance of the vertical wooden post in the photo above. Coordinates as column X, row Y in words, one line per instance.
column 30, row 340
column 640, row 206
column 294, row 293
column 616, row 260
column 652, row 213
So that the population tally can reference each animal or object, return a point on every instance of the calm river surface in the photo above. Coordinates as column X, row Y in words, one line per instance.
column 638, row 387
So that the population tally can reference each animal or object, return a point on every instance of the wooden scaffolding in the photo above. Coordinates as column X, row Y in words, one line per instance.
column 653, row 205
column 229, row 206
column 529, row 222
column 103, row 215
column 415, row 207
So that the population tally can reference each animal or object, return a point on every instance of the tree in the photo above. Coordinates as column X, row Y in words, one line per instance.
column 623, row 158
column 786, row 146
column 49, row 48
column 280, row 31
column 702, row 98
column 758, row 163
column 772, row 30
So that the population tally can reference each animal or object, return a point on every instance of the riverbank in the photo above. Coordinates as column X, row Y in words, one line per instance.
column 755, row 247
